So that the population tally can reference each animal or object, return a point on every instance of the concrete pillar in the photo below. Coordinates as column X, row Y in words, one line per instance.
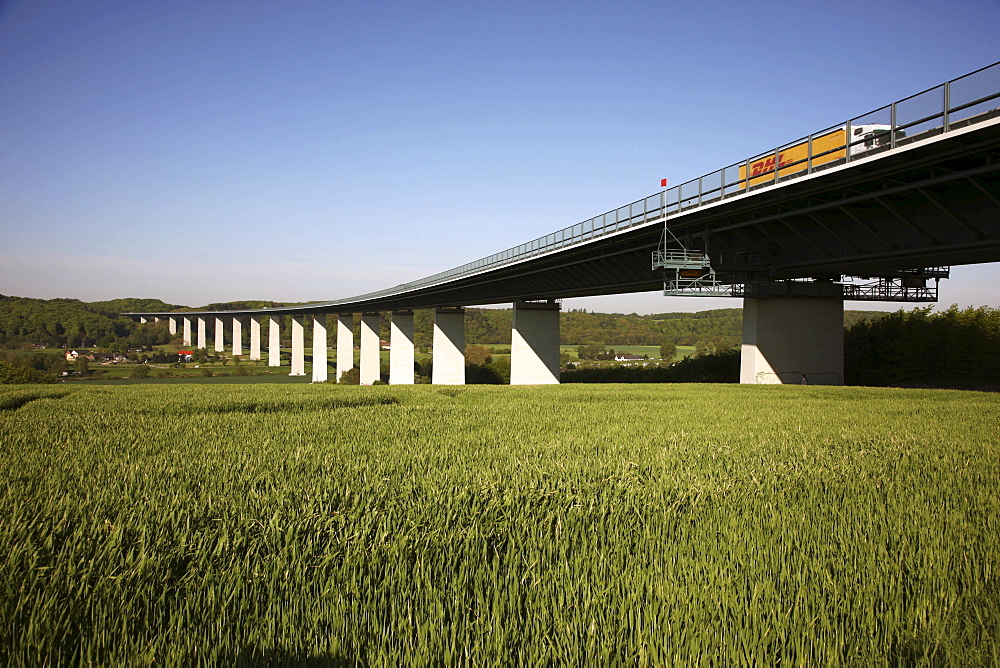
column 449, row 347
column 156, row 319
column 370, row 358
column 345, row 343
column 202, row 339
column 793, row 340
column 237, row 336
column 187, row 331
column 274, row 341
column 401, row 349
column 319, row 348
column 255, row 337
column 172, row 325
column 298, row 347
column 220, row 334
column 142, row 320
column 534, row 344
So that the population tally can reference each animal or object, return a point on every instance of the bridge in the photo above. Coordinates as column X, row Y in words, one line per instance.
column 875, row 208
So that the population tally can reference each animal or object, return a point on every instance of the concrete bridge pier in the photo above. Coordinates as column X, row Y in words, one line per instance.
column 319, row 349
column 345, row 343
column 255, row 337
column 274, row 341
column 172, row 325
column 449, row 347
column 202, row 339
column 298, row 347
column 370, row 360
column 237, row 336
column 792, row 340
column 534, row 344
column 187, row 331
column 220, row 334
column 401, row 349
column 142, row 320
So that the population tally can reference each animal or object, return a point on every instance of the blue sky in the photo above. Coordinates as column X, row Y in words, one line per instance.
column 209, row 151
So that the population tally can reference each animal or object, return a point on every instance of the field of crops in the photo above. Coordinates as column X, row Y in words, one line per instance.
column 578, row 525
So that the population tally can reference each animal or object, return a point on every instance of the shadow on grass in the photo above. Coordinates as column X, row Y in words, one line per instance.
column 255, row 656
column 14, row 401
column 266, row 407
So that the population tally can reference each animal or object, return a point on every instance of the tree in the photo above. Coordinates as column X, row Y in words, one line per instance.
column 951, row 348
column 13, row 374
column 350, row 377
column 477, row 355
column 422, row 370
column 140, row 371
column 668, row 351
column 703, row 348
column 590, row 351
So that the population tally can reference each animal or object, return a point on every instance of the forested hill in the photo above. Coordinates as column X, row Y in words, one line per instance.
column 722, row 327
column 68, row 322
column 718, row 329
column 115, row 306
column 73, row 323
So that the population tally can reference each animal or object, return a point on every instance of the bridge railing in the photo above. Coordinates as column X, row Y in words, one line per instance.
column 969, row 99
column 972, row 98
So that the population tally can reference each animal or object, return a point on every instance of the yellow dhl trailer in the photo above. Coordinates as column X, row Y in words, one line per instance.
column 825, row 148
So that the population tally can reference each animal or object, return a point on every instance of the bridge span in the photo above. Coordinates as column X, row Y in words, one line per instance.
column 874, row 208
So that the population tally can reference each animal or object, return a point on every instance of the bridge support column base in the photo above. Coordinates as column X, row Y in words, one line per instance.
column 319, row 349
column 534, row 344
column 298, row 346
column 220, row 334
column 237, row 336
column 401, row 349
column 274, row 340
column 255, row 337
column 449, row 347
column 793, row 340
column 345, row 344
column 201, row 333
column 370, row 349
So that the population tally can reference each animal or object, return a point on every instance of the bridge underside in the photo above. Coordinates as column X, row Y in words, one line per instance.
column 930, row 206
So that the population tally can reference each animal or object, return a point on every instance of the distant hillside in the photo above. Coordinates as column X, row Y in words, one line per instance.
column 721, row 327
column 73, row 323
column 128, row 305
column 235, row 306
column 68, row 322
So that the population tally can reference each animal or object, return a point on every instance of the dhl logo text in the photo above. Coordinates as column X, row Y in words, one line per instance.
column 767, row 165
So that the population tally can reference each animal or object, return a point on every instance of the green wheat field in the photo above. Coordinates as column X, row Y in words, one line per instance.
column 565, row 525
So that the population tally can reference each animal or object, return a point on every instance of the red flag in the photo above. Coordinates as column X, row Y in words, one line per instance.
column 663, row 182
